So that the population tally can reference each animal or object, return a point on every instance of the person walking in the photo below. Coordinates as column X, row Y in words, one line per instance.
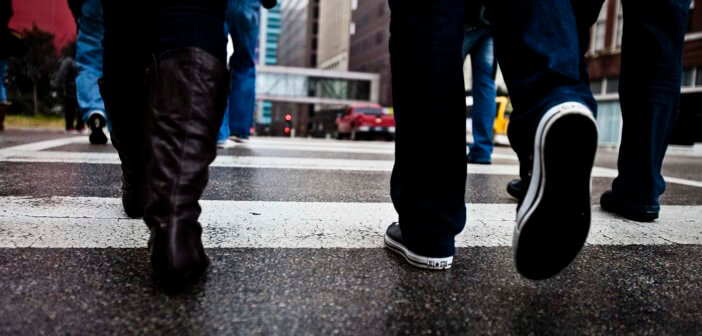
column 5, row 15
column 165, row 134
column 89, row 54
column 65, row 82
column 552, row 130
column 649, row 91
column 242, row 24
column 478, row 43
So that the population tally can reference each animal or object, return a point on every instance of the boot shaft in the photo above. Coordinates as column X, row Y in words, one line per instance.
column 186, row 98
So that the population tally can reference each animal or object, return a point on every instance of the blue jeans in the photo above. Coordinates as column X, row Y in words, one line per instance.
column 539, row 51
column 649, row 91
column 478, row 44
column 242, row 23
column 89, row 57
column 3, row 92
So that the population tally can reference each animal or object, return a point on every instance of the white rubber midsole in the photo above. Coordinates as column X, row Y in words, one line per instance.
column 417, row 260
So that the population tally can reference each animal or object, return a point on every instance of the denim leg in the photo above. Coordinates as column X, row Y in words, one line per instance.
column 649, row 90
column 243, row 20
column 223, row 133
column 89, row 57
column 3, row 92
column 538, row 50
column 586, row 13
column 429, row 176
column 482, row 58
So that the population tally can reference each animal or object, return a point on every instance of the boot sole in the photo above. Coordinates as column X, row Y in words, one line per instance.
column 554, row 219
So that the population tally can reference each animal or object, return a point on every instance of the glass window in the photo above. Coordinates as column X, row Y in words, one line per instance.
column 612, row 85
column 596, row 86
column 369, row 111
column 687, row 77
column 620, row 24
column 698, row 81
column 599, row 30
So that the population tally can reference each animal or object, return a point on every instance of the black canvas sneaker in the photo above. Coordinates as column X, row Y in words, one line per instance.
column 97, row 122
column 614, row 205
column 394, row 242
column 554, row 218
column 515, row 188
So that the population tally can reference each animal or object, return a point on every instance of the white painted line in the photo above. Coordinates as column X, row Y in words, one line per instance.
column 287, row 163
column 87, row 222
column 42, row 145
column 255, row 143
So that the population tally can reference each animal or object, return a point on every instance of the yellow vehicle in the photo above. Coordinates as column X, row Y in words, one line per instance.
column 504, row 109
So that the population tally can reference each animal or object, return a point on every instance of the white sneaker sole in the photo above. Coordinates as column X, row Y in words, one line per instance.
column 572, row 233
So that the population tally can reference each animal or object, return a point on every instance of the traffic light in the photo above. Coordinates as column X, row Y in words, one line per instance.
column 288, row 124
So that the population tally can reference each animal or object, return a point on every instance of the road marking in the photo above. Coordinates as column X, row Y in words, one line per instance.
column 270, row 162
column 300, row 145
column 36, row 152
column 90, row 222
column 42, row 145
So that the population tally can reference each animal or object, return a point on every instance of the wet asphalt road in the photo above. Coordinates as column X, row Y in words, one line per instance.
column 609, row 289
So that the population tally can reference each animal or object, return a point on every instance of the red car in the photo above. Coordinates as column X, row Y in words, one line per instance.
column 364, row 121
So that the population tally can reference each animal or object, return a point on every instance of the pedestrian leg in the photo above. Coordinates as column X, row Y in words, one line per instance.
column 429, row 176
column 552, row 130
column 649, row 89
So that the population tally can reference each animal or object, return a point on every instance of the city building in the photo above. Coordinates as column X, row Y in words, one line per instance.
column 269, row 32
column 297, row 44
column 370, row 33
column 334, row 35
column 297, row 47
column 604, row 60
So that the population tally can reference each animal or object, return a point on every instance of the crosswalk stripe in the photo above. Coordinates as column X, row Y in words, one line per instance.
column 311, row 145
column 286, row 163
column 89, row 222
column 42, row 145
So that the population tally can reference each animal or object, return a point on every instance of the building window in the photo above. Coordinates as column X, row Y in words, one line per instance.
column 688, row 76
column 698, row 81
column 690, row 17
column 620, row 25
column 612, row 85
column 596, row 86
column 599, row 30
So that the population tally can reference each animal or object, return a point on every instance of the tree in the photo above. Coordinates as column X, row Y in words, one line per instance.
column 35, row 67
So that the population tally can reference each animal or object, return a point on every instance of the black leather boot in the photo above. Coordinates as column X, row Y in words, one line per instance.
column 128, row 117
column 187, row 92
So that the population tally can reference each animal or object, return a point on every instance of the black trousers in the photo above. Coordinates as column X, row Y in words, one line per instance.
column 135, row 30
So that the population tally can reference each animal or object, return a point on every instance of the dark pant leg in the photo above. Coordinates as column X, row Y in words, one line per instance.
column 190, row 23
column 649, row 89
column 586, row 13
column 428, row 179
column 70, row 107
column 538, row 50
